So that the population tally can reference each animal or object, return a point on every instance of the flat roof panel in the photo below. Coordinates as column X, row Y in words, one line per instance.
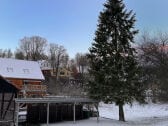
column 55, row 100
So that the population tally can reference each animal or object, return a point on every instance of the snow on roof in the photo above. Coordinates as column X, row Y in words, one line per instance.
column 22, row 69
column 44, row 65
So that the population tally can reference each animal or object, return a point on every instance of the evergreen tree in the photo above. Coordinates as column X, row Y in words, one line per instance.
column 113, row 66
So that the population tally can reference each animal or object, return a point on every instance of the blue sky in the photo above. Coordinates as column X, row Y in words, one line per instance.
column 70, row 23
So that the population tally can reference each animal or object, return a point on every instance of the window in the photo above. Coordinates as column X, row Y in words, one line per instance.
column 9, row 69
column 26, row 71
column 62, row 73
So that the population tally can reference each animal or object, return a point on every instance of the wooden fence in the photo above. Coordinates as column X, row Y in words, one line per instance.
column 36, row 113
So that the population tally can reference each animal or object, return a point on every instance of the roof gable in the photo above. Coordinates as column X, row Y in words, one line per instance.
column 7, row 87
column 12, row 68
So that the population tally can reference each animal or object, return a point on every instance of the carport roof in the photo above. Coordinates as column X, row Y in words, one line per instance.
column 7, row 87
column 55, row 100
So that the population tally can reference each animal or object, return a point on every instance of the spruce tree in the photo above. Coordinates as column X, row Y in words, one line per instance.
column 115, row 74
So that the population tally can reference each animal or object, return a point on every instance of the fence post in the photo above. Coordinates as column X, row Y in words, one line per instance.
column 48, row 113
column 74, row 113
column 17, row 115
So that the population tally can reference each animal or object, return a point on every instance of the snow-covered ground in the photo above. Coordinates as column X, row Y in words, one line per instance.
column 137, row 115
column 141, row 115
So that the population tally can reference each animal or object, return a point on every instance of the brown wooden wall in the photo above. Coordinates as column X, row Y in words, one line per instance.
column 29, row 93
column 35, row 82
column 17, row 82
column 20, row 82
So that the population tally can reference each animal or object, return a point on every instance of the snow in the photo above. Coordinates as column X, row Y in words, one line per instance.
column 23, row 113
column 44, row 65
column 138, row 115
column 12, row 68
column 142, row 115
column 135, row 112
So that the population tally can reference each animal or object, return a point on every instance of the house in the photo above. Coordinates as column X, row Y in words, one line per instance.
column 26, row 75
column 48, row 70
column 62, row 72
column 45, row 67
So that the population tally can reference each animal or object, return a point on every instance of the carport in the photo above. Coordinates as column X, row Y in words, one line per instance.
column 59, row 100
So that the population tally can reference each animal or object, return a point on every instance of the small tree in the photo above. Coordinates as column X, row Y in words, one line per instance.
column 113, row 66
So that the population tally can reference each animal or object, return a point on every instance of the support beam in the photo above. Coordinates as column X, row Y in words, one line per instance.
column 74, row 113
column 17, row 115
column 48, row 113
column 57, row 100
column 14, row 111
column 2, row 104
column 10, row 101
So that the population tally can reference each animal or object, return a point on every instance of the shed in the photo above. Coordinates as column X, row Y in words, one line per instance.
column 24, row 74
column 48, row 101
column 8, row 92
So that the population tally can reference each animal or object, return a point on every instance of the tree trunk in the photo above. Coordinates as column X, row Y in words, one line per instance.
column 57, row 67
column 121, row 113
column 79, row 69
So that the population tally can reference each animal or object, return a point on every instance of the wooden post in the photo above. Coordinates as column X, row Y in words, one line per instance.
column 48, row 113
column 97, row 108
column 74, row 113
column 10, row 101
column 2, row 104
column 14, row 111
column 17, row 115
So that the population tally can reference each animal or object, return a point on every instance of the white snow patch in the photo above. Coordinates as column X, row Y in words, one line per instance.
column 148, row 114
column 134, row 111
column 137, row 115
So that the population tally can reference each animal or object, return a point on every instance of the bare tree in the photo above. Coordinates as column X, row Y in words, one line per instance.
column 56, row 54
column 82, row 62
column 9, row 53
column 33, row 47
column 25, row 47
column 82, row 65
column 19, row 54
column 6, row 53
column 154, row 59
column 64, row 60
column 1, row 51
column 77, row 59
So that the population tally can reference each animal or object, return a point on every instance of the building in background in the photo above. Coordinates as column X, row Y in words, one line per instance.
column 26, row 75
column 48, row 71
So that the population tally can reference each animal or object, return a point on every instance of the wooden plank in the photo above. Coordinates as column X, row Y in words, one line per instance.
column 31, row 88
column 10, row 101
column 14, row 108
column 2, row 104
column 74, row 113
column 48, row 113
column 17, row 115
